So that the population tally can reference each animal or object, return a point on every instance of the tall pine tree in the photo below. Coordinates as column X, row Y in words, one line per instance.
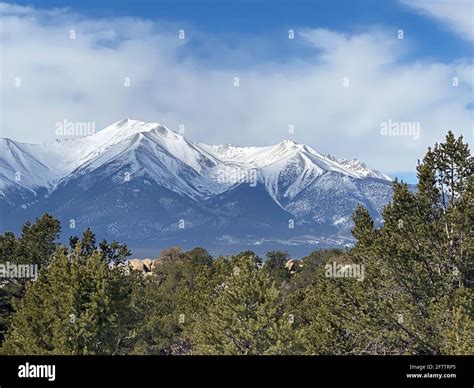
column 246, row 316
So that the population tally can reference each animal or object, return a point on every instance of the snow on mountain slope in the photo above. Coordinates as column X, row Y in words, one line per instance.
column 359, row 168
column 143, row 155
column 20, row 167
column 288, row 168
column 168, row 140
column 51, row 162
column 176, row 163
column 260, row 157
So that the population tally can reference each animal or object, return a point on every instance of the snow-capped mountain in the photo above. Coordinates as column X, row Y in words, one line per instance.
column 142, row 182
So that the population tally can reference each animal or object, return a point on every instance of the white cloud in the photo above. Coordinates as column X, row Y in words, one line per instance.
column 457, row 15
column 83, row 80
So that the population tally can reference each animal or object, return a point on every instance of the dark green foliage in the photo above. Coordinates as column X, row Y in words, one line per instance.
column 199, row 255
column 38, row 241
column 113, row 253
column 275, row 265
column 75, row 307
column 168, row 302
column 35, row 246
column 246, row 317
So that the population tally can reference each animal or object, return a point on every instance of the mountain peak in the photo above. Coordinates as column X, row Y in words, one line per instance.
column 132, row 125
column 288, row 142
column 123, row 122
column 127, row 128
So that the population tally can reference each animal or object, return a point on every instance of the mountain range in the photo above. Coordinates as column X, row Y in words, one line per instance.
column 151, row 187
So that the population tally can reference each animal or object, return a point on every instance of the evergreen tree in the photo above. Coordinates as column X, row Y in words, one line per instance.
column 38, row 241
column 200, row 255
column 113, row 253
column 35, row 246
column 169, row 300
column 275, row 266
column 73, row 308
column 246, row 317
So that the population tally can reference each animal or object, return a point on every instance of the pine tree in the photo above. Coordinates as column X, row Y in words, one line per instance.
column 246, row 317
column 169, row 300
column 38, row 241
column 275, row 266
column 73, row 308
column 34, row 247
column 419, row 263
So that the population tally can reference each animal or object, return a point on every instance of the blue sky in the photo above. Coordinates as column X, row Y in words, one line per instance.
column 262, row 16
column 253, row 15
column 283, row 82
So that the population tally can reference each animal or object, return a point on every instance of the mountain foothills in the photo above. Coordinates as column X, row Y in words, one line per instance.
column 405, row 287
column 146, row 184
